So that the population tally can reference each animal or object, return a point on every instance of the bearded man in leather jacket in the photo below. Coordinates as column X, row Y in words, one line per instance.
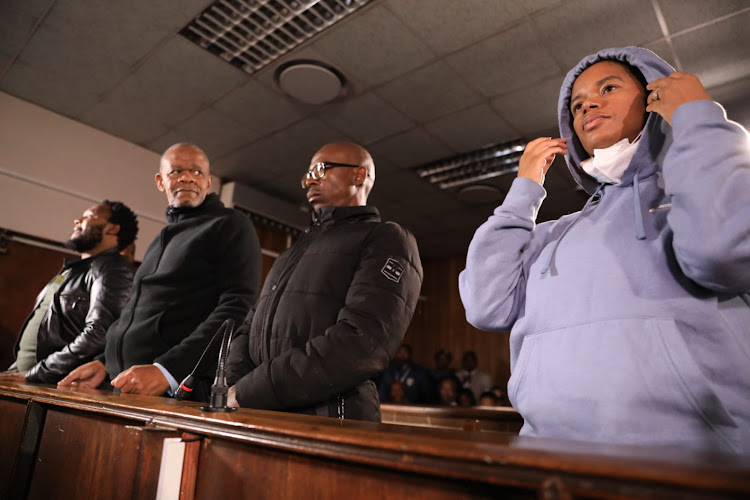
column 334, row 307
column 71, row 315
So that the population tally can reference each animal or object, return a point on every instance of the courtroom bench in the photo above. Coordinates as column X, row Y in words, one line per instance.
column 96, row 444
column 477, row 418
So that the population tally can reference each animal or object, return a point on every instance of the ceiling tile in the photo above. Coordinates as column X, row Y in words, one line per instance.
column 373, row 46
column 214, row 132
column 471, row 129
column 286, row 187
column 662, row 49
column 447, row 25
column 19, row 18
column 265, row 159
column 170, row 137
column 418, row 96
column 365, row 118
column 717, row 53
column 506, row 62
column 122, row 30
column 531, row 108
column 584, row 27
column 163, row 92
column 62, row 74
column 411, row 148
column 402, row 185
column 310, row 135
column 260, row 108
column 683, row 14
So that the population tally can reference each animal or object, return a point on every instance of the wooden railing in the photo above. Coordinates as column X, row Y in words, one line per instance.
column 91, row 444
column 481, row 418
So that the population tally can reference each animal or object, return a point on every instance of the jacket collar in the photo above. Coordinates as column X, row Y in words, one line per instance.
column 74, row 261
column 211, row 203
column 328, row 216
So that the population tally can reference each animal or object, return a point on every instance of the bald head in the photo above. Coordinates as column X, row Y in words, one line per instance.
column 182, row 146
column 348, row 185
column 184, row 175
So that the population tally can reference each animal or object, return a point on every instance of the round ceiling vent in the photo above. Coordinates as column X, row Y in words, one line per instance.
column 479, row 194
column 311, row 82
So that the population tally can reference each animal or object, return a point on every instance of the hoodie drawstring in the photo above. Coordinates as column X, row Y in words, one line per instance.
column 640, row 231
column 545, row 268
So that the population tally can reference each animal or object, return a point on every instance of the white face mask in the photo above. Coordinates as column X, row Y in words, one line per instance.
column 608, row 165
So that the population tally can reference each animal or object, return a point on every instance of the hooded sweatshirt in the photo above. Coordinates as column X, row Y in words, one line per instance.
column 630, row 320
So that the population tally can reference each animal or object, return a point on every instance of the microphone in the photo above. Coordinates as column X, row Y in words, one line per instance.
column 219, row 389
column 188, row 384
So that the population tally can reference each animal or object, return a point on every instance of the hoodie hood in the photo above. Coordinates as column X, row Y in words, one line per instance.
column 656, row 136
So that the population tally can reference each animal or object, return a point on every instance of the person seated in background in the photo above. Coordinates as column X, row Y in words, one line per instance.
column 449, row 387
column 443, row 360
column 202, row 269
column 472, row 378
column 335, row 306
column 67, row 326
column 629, row 319
column 488, row 399
column 397, row 393
column 466, row 398
column 416, row 381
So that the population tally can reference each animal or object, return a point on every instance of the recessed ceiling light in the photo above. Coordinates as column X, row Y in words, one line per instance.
column 311, row 82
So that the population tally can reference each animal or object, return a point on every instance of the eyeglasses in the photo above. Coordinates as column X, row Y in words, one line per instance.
column 318, row 171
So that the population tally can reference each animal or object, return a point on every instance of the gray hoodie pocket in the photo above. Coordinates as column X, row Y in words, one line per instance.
column 630, row 380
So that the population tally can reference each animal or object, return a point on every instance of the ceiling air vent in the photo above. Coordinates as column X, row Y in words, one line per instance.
column 251, row 34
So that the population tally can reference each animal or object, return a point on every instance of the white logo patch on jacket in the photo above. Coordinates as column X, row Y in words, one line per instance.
column 392, row 270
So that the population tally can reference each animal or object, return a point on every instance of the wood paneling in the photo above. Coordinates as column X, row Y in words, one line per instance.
column 230, row 470
column 440, row 322
column 73, row 442
column 12, row 418
column 24, row 271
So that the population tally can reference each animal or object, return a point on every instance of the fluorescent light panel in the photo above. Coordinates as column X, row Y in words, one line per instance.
column 251, row 34
column 466, row 168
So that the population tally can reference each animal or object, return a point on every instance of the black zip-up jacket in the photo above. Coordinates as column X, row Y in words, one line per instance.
column 203, row 268
column 74, row 326
column 333, row 310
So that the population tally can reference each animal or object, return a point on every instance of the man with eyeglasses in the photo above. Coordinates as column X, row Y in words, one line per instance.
column 335, row 306
column 202, row 269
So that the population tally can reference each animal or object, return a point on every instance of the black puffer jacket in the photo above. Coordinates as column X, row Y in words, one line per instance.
column 333, row 310
column 203, row 268
column 73, row 329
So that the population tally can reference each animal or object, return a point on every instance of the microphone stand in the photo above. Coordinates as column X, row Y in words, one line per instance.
column 219, row 389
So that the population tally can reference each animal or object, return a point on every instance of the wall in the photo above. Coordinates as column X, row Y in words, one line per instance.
column 52, row 168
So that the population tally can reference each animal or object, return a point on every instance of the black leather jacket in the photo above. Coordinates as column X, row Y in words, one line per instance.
column 73, row 329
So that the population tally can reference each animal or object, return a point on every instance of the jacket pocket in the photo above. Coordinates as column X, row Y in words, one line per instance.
column 629, row 380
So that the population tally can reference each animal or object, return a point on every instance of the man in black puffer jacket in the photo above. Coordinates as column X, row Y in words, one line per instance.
column 334, row 307
column 203, row 268
column 71, row 315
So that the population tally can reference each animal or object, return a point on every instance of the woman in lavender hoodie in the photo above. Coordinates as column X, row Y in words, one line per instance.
column 630, row 320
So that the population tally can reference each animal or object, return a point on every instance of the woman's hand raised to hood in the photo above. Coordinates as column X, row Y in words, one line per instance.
column 667, row 94
column 538, row 157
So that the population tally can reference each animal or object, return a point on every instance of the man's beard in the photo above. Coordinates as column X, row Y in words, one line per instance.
column 87, row 240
